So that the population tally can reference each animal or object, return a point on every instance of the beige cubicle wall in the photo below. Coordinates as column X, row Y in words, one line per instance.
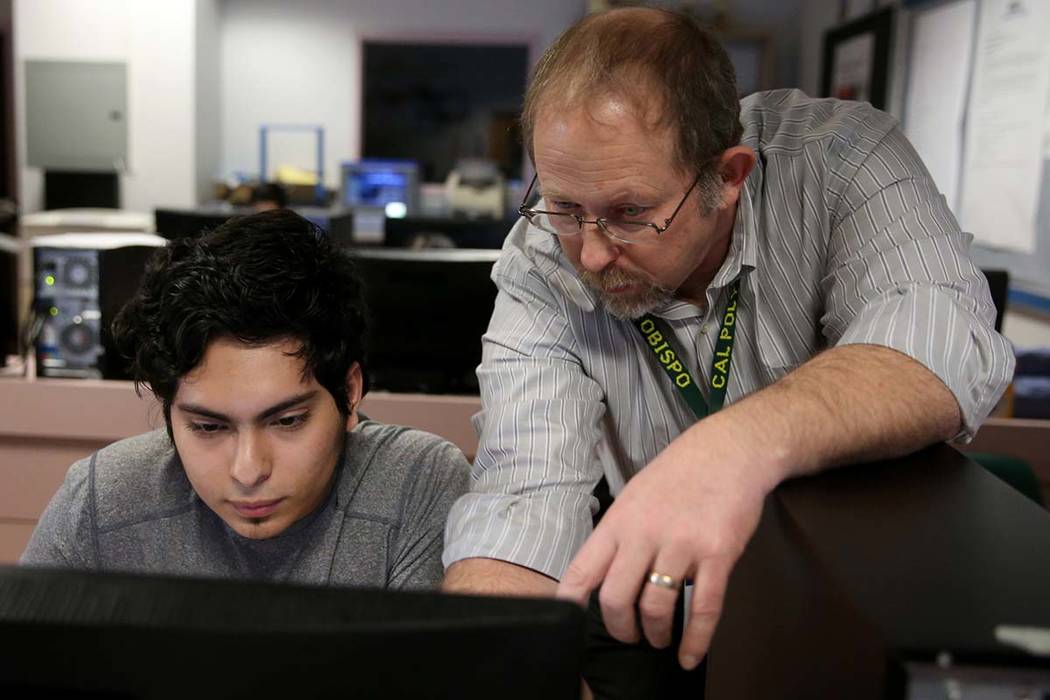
column 1021, row 438
column 47, row 424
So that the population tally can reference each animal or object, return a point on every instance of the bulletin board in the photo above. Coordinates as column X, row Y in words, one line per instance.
column 976, row 107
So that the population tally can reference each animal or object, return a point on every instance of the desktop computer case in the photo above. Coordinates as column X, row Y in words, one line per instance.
column 79, row 292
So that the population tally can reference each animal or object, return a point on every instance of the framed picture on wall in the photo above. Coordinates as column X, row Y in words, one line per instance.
column 857, row 59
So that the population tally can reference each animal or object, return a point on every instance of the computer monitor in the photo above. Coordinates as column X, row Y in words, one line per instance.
column 338, row 224
column 181, row 223
column 79, row 634
column 999, row 286
column 461, row 232
column 184, row 223
column 76, row 189
column 390, row 184
column 429, row 309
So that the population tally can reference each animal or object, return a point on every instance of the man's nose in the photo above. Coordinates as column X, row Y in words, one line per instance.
column 252, row 464
column 597, row 250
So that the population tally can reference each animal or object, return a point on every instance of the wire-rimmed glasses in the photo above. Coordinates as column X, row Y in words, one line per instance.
column 621, row 229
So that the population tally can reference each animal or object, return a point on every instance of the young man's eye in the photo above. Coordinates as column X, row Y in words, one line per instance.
column 202, row 428
column 291, row 422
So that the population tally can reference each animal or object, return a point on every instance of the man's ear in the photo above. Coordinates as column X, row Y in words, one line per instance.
column 735, row 164
column 355, row 386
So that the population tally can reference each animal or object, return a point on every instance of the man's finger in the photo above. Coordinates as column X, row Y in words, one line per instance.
column 708, row 594
column 656, row 605
column 619, row 593
column 588, row 567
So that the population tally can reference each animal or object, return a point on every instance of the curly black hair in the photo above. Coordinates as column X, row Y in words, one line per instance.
column 259, row 279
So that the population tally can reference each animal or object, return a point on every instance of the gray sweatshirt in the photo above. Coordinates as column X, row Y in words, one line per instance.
column 129, row 507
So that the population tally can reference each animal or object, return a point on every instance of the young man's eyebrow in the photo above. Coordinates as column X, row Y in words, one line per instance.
column 268, row 413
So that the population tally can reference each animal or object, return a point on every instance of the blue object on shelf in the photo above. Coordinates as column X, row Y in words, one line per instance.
column 1033, row 362
column 317, row 129
column 1032, row 397
column 1020, row 297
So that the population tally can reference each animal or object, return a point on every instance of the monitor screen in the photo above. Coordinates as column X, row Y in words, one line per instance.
column 181, row 223
column 184, row 223
column 416, row 232
column 429, row 309
column 78, row 634
column 392, row 185
column 999, row 286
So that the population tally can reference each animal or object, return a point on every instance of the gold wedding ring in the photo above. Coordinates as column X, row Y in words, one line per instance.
column 663, row 580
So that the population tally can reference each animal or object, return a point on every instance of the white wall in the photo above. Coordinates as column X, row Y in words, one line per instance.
column 817, row 17
column 156, row 40
column 1026, row 330
column 300, row 63
column 781, row 20
column 161, row 105
column 208, row 116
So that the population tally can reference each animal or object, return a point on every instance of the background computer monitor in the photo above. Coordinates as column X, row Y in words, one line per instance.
column 390, row 184
column 429, row 309
column 183, row 223
column 999, row 286
column 67, row 634
column 337, row 224
column 461, row 232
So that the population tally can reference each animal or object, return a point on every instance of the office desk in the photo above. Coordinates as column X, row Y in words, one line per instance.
column 856, row 572
column 47, row 424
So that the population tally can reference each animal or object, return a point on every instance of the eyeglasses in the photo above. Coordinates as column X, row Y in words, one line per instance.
column 624, row 229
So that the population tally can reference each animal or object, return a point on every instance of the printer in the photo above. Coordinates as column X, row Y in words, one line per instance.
column 475, row 189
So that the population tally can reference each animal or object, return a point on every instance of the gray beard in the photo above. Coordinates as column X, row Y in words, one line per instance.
column 626, row 307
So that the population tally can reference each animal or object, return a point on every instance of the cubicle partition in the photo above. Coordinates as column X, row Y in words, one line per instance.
column 47, row 424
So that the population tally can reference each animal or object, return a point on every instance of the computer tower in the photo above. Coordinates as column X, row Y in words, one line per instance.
column 81, row 282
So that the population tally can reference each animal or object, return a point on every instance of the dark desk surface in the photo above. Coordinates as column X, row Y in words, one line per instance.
column 866, row 567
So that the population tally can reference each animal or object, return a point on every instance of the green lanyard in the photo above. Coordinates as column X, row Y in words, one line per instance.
column 660, row 339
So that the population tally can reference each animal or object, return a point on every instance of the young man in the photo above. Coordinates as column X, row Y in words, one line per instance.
column 788, row 257
column 252, row 337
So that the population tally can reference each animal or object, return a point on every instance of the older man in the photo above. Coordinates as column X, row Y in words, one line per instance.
column 789, row 258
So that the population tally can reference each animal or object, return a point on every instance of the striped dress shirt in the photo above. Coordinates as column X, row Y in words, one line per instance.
column 840, row 237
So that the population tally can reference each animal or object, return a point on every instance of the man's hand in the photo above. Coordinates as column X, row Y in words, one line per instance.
column 692, row 510
column 687, row 515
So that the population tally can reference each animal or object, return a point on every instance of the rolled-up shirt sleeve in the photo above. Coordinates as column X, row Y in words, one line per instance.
column 531, row 498
column 899, row 275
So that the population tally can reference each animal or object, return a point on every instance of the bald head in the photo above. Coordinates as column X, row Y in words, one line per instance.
column 662, row 65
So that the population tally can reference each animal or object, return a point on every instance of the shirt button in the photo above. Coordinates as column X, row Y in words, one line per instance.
column 703, row 328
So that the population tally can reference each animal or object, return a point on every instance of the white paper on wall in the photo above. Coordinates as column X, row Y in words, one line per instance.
column 1005, row 128
column 940, row 62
